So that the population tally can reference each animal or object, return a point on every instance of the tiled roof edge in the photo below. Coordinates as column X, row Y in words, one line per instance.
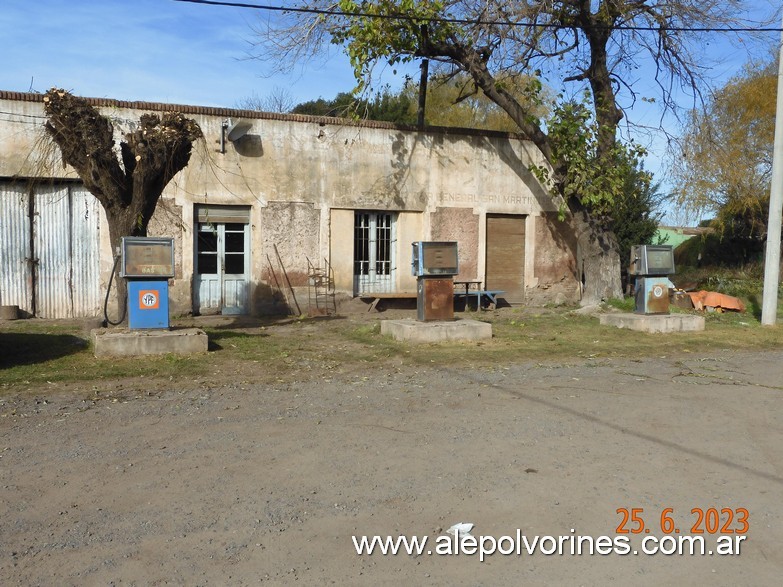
column 255, row 114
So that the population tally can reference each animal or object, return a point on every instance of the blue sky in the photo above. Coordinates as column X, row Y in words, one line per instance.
column 182, row 53
column 177, row 52
column 151, row 50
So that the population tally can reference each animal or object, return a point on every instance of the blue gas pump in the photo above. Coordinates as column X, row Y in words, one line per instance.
column 147, row 265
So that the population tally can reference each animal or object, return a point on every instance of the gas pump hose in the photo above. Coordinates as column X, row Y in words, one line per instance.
column 124, row 305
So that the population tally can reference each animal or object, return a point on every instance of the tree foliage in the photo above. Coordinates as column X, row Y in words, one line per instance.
column 573, row 135
column 590, row 42
column 384, row 106
column 595, row 43
column 633, row 212
column 279, row 100
column 452, row 100
column 724, row 161
column 638, row 209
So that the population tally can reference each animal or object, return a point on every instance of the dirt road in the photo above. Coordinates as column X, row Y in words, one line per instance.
column 247, row 484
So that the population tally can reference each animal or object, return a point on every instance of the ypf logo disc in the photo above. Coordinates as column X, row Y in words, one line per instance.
column 149, row 299
column 657, row 291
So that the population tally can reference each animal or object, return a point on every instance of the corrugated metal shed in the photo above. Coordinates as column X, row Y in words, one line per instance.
column 59, row 275
column 85, row 253
column 52, row 249
column 15, row 274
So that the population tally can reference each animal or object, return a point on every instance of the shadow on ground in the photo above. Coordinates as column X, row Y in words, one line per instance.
column 19, row 348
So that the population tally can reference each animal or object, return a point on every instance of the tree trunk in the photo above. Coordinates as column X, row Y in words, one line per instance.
column 598, row 260
column 123, row 222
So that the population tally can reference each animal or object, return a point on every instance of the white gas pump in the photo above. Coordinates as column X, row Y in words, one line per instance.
column 652, row 265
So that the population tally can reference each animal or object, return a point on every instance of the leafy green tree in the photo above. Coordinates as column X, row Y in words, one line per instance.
column 637, row 210
column 596, row 43
column 633, row 213
column 723, row 165
column 455, row 100
column 384, row 106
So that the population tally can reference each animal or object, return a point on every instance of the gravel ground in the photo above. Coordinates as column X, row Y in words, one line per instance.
column 240, row 484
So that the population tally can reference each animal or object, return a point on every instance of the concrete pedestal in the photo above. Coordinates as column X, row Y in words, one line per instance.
column 127, row 343
column 9, row 312
column 415, row 331
column 655, row 322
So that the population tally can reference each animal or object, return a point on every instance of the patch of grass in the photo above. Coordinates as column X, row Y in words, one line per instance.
column 294, row 350
column 624, row 305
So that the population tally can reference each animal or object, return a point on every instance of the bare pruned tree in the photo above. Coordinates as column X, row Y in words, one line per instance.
column 279, row 100
column 130, row 186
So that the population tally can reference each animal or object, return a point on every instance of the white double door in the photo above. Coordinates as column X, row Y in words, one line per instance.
column 374, row 243
column 222, row 267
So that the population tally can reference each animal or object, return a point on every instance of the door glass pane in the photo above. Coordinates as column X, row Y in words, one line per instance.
column 207, row 239
column 361, row 244
column 235, row 242
column 383, row 238
column 207, row 263
column 235, row 263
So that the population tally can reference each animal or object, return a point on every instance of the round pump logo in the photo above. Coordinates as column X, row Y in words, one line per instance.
column 657, row 291
column 149, row 299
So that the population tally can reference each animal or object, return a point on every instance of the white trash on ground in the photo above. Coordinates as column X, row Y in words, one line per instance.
column 461, row 529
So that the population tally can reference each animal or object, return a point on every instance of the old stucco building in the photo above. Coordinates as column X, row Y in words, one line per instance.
column 252, row 215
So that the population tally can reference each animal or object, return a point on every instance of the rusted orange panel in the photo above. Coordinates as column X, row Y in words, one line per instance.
column 435, row 299
column 703, row 299
column 658, row 304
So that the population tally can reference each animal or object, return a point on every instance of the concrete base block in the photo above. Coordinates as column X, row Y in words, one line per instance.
column 9, row 312
column 130, row 343
column 655, row 322
column 415, row 331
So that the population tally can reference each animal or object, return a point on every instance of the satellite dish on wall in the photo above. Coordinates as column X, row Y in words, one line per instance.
column 238, row 129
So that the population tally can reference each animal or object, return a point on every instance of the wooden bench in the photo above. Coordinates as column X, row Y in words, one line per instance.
column 377, row 297
column 490, row 294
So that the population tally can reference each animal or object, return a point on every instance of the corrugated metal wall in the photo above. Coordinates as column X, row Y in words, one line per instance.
column 52, row 248
column 15, row 276
column 66, row 247
column 86, row 212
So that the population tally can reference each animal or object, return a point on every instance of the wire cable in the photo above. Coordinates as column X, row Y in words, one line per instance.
column 477, row 22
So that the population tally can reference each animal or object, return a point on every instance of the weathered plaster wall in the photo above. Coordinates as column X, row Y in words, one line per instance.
column 167, row 221
column 289, row 234
column 303, row 177
column 555, row 262
column 410, row 228
column 461, row 225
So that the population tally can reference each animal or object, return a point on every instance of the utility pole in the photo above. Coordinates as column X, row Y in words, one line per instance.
column 769, row 300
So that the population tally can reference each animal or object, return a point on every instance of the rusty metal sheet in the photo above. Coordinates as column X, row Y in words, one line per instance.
column 435, row 299
column 658, row 299
column 652, row 295
column 711, row 299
